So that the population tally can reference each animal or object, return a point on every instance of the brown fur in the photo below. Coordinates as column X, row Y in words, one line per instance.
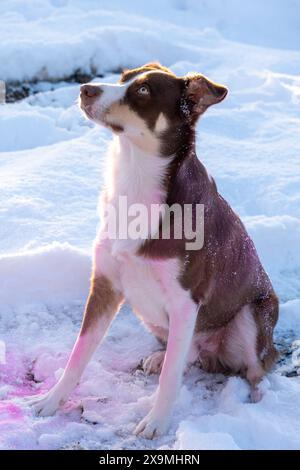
column 266, row 315
column 102, row 300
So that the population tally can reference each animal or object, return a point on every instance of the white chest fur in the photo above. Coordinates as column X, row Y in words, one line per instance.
column 134, row 185
column 151, row 286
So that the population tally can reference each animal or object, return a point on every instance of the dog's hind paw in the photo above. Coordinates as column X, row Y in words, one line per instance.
column 153, row 363
column 256, row 395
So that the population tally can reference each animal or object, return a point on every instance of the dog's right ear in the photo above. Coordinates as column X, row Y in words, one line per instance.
column 200, row 93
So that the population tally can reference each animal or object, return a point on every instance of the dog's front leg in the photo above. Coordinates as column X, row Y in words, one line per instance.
column 181, row 328
column 102, row 305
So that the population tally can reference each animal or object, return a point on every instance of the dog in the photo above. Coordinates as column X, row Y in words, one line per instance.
column 215, row 304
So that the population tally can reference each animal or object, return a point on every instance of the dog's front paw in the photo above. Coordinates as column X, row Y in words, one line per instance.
column 153, row 425
column 44, row 405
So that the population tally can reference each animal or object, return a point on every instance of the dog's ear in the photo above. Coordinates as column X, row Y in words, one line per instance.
column 200, row 93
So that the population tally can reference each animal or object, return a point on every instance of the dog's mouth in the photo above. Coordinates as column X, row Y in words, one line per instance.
column 113, row 126
column 87, row 111
column 101, row 119
column 106, row 122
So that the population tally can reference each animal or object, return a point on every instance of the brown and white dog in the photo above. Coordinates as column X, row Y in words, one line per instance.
column 216, row 304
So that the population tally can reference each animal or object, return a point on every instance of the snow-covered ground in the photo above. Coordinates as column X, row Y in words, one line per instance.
column 51, row 172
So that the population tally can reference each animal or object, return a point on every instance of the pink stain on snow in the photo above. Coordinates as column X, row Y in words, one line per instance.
column 13, row 374
column 24, row 391
column 10, row 412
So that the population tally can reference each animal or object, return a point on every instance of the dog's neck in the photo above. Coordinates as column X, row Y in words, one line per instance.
column 137, row 181
column 136, row 174
column 147, row 179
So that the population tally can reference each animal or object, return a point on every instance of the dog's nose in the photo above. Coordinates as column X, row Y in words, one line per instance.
column 90, row 91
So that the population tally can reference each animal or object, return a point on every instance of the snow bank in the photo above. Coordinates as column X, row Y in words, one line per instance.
column 290, row 316
column 277, row 241
column 99, row 37
column 54, row 273
column 27, row 129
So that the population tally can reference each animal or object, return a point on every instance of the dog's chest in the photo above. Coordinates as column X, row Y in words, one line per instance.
column 149, row 286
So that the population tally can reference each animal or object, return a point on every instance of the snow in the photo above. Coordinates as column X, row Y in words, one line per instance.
column 240, row 425
column 51, row 162
column 104, row 36
column 2, row 352
column 66, row 275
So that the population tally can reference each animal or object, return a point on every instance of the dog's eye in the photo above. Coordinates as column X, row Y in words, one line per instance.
column 143, row 90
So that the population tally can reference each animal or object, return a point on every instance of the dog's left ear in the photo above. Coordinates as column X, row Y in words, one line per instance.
column 201, row 93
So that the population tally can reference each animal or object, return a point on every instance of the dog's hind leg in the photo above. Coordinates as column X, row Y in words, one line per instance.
column 238, row 350
column 265, row 313
column 153, row 363
column 248, row 344
column 102, row 305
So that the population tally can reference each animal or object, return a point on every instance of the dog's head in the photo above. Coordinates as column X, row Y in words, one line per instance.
column 150, row 105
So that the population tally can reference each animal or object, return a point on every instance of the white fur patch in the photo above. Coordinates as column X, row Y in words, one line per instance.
column 138, row 175
column 241, row 339
column 112, row 92
column 161, row 124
